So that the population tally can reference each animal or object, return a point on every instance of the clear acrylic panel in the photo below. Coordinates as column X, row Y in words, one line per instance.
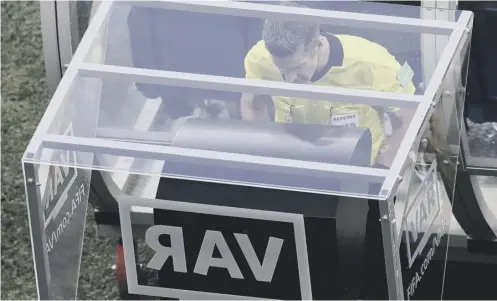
column 208, row 125
column 162, row 38
column 208, row 131
column 426, row 215
column 59, row 194
column 423, row 205
column 359, row 129
column 65, row 201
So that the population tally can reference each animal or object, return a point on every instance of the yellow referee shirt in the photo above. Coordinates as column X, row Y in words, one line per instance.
column 356, row 63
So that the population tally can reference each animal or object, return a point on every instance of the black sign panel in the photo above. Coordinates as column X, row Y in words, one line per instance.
column 229, row 255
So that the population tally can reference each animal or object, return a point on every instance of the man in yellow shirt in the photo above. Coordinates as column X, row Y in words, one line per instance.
column 302, row 53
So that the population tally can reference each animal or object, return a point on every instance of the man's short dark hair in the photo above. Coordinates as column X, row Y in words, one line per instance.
column 283, row 37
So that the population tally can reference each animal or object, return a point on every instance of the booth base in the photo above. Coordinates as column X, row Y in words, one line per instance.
column 341, row 242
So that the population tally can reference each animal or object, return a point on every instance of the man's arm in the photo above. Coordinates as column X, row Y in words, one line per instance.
column 258, row 65
column 387, row 81
column 251, row 109
column 392, row 143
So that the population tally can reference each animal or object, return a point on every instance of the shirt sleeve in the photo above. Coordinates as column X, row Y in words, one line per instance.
column 386, row 79
column 259, row 65
column 251, row 67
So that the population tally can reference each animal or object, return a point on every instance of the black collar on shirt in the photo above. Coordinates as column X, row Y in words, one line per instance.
column 335, row 59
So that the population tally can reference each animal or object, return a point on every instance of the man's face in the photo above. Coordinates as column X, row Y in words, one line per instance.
column 299, row 67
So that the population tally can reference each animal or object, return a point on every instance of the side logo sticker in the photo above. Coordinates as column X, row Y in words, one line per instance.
column 60, row 179
column 418, row 222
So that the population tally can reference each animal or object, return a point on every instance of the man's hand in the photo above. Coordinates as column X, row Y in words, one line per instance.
column 389, row 150
column 251, row 109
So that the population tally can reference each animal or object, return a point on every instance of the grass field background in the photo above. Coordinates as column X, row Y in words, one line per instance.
column 24, row 98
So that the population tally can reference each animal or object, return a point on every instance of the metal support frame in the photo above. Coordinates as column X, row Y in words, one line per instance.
column 60, row 37
column 67, row 31
column 51, row 51
column 60, row 32
column 78, row 67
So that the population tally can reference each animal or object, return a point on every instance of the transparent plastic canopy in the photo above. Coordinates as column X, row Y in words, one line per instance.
column 155, row 88
column 200, row 56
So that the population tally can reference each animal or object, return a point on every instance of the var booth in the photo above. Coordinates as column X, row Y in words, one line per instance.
column 247, row 209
